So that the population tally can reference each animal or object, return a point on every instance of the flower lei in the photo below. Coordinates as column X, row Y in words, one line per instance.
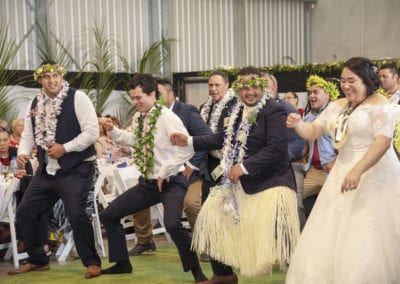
column 48, row 68
column 328, row 87
column 46, row 123
column 205, row 112
column 396, row 138
column 256, row 82
column 143, row 155
column 234, row 149
column 215, row 115
column 381, row 91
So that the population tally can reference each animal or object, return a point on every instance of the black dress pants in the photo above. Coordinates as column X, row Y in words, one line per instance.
column 144, row 195
column 43, row 192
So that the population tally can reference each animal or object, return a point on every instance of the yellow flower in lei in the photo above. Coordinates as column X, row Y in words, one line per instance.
column 48, row 68
column 396, row 139
column 143, row 155
column 328, row 87
column 256, row 82
column 383, row 92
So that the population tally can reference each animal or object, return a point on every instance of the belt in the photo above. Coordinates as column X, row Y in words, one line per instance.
column 148, row 181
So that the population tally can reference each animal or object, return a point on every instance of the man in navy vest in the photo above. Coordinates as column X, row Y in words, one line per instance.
column 62, row 122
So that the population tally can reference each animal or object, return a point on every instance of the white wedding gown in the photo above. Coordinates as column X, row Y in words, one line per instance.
column 354, row 237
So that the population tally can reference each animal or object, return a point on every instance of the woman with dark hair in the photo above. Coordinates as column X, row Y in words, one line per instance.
column 352, row 234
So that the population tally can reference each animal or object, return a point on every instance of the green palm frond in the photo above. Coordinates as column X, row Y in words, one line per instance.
column 8, row 51
column 52, row 48
column 100, row 83
column 156, row 56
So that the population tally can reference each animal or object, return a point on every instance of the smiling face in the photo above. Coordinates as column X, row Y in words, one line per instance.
column 388, row 80
column 51, row 83
column 352, row 86
column 317, row 97
column 142, row 101
column 250, row 95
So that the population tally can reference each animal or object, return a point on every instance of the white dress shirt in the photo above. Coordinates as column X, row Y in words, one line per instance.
column 168, row 159
column 395, row 98
column 87, row 119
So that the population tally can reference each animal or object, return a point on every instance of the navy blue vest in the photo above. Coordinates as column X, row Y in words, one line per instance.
column 67, row 129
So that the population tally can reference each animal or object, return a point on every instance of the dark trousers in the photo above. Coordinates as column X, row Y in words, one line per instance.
column 43, row 192
column 220, row 269
column 143, row 195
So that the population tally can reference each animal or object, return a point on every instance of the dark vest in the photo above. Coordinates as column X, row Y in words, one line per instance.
column 67, row 129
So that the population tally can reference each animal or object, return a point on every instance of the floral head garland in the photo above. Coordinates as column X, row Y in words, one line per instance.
column 328, row 87
column 255, row 82
column 48, row 68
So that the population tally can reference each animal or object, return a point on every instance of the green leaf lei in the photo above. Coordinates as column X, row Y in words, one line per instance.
column 396, row 138
column 328, row 87
column 257, row 82
column 143, row 155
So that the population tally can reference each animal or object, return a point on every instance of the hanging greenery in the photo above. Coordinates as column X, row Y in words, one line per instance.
column 311, row 68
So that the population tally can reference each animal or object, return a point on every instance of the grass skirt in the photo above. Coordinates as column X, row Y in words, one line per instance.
column 265, row 234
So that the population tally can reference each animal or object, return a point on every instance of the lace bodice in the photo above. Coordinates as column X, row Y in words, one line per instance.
column 364, row 123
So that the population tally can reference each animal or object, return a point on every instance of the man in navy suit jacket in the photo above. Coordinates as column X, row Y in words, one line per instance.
column 255, row 161
column 196, row 126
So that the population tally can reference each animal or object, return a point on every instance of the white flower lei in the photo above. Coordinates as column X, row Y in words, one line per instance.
column 234, row 150
column 237, row 151
column 216, row 113
column 46, row 123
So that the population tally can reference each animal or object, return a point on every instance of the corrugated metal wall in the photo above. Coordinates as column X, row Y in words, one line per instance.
column 209, row 33
column 274, row 32
column 19, row 15
column 125, row 21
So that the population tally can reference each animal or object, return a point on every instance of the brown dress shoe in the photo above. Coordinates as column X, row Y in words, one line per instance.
column 92, row 271
column 28, row 267
column 228, row 279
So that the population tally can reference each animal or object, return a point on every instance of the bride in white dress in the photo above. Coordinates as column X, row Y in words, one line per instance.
column 353, row 233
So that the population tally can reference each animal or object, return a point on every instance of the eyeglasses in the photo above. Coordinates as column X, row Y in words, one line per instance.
column 4, row 129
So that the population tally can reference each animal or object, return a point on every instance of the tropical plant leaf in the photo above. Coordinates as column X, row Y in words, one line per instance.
column 101, row 81
column 156, row 56
column 8, row 51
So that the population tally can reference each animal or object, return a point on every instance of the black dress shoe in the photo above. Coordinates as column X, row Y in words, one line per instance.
column 228, row 279
column 141, row 248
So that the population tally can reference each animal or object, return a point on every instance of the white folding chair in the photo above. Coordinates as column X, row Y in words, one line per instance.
column 68, row 244
column 8, row 211
column 127, row 177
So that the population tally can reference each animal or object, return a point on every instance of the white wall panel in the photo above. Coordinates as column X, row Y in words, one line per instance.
column 207, row 37
column 19, row 15
column 203, row 33
column 208, row 33
column 274, row 32
column 125, row 21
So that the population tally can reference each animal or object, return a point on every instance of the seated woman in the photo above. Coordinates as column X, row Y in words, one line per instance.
column 17, row 126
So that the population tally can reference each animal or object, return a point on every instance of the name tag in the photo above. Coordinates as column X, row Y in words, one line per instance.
column 226, row 121
column 217, row 172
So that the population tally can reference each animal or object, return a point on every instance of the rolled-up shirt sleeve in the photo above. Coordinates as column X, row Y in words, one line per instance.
column 88, row 122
